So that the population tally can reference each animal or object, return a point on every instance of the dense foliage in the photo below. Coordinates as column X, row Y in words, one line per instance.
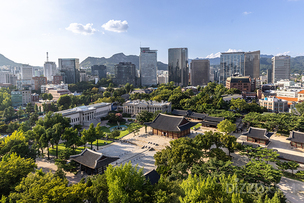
column 282, row 123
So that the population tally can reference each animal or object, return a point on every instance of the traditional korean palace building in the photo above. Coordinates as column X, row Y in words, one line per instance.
column 93, row 162
column 83, row 115
column 296, row 139
column 206, row 120
column 171, row 126
column 258, row 135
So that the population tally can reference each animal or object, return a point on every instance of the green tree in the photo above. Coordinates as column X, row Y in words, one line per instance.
column 98, row 133
column 226, row 126
column 238, row 104
column 33, row 118
column 71, row 138
column 65, row 101
column 97, row 189
column 39, row 135
column 182, row 150
column 210, row 189
column 29, row 107
column 292, row 165
column 41, row 187
column 126, row 184
column 8, row 112
column 260, row 172
column 229, row 141
column 12, row 169
column 107, row 94
column 203, row 141
column 50, row 96
column 17, row 143
column 57, row 131
column 89, row 135
column 20, row 112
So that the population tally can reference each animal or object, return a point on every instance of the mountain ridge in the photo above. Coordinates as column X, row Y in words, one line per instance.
column 115, row 59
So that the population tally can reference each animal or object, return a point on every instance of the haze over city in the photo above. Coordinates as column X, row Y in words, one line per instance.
column 80, row 29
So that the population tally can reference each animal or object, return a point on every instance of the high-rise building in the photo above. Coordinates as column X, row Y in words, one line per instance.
column 232, row 63
column 26, row 72
column 252, row 64
column 280, row 68
column 199, row 72
column 269, row 76
column 5, row 77
column 99, row 70
column 69, row 69
column 239, row 63
column 125, row 72
column 38, row 81
column 148, row 66
column 49, row 70
column 178, row 68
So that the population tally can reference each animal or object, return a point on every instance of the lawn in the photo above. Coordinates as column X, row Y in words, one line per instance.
column 61, row 147
column 196, row 126
column 101, row 142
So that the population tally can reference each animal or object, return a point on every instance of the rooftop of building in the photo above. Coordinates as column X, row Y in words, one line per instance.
column 146, row 103
column 258, row 133
column 291, row 99
column 92, row 159
column 83, row 108
column 244, row 79
column 171, row 123
column 296, row 136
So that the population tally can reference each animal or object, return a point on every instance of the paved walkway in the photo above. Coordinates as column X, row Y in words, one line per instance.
column 293, row 189
column 49, row 165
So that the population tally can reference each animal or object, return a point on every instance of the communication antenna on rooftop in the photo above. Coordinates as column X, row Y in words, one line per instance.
column 47, row 56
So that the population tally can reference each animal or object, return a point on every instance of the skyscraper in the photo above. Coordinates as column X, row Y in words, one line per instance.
column 69, row 69
column 280, row 68
column 178, row 66
column 232, row 63
column 252, row 64
column 269, row 76
column 148, row 66
column 199, row 72
column 49, row 69
column 239, row 63
column 26, row 72
column 125, row 72
column 99, row 70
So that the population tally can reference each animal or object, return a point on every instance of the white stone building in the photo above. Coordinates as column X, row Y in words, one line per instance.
column 274, row 104
column 136, row 106
column 84, row 115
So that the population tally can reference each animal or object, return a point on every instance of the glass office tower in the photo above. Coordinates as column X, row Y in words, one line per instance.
column 178, row 68
column 232, row 63
column 280, row 68
column 69, row 69
column 148, row 66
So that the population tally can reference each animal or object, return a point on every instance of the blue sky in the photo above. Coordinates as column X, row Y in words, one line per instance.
column 82, row 28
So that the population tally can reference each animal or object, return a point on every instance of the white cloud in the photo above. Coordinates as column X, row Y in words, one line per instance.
column 247, row 13
column 212, row 55
column 234, row 50
column 218, row 54
column 81, row 29
column 284, row 53
column 116, row 26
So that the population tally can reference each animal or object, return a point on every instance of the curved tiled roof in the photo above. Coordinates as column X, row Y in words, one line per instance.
column 171, row 123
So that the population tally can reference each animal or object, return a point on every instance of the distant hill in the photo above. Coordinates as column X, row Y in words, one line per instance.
column 7, row 62
column 115, row 59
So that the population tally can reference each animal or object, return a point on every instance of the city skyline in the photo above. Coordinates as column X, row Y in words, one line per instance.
column 78, row 29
